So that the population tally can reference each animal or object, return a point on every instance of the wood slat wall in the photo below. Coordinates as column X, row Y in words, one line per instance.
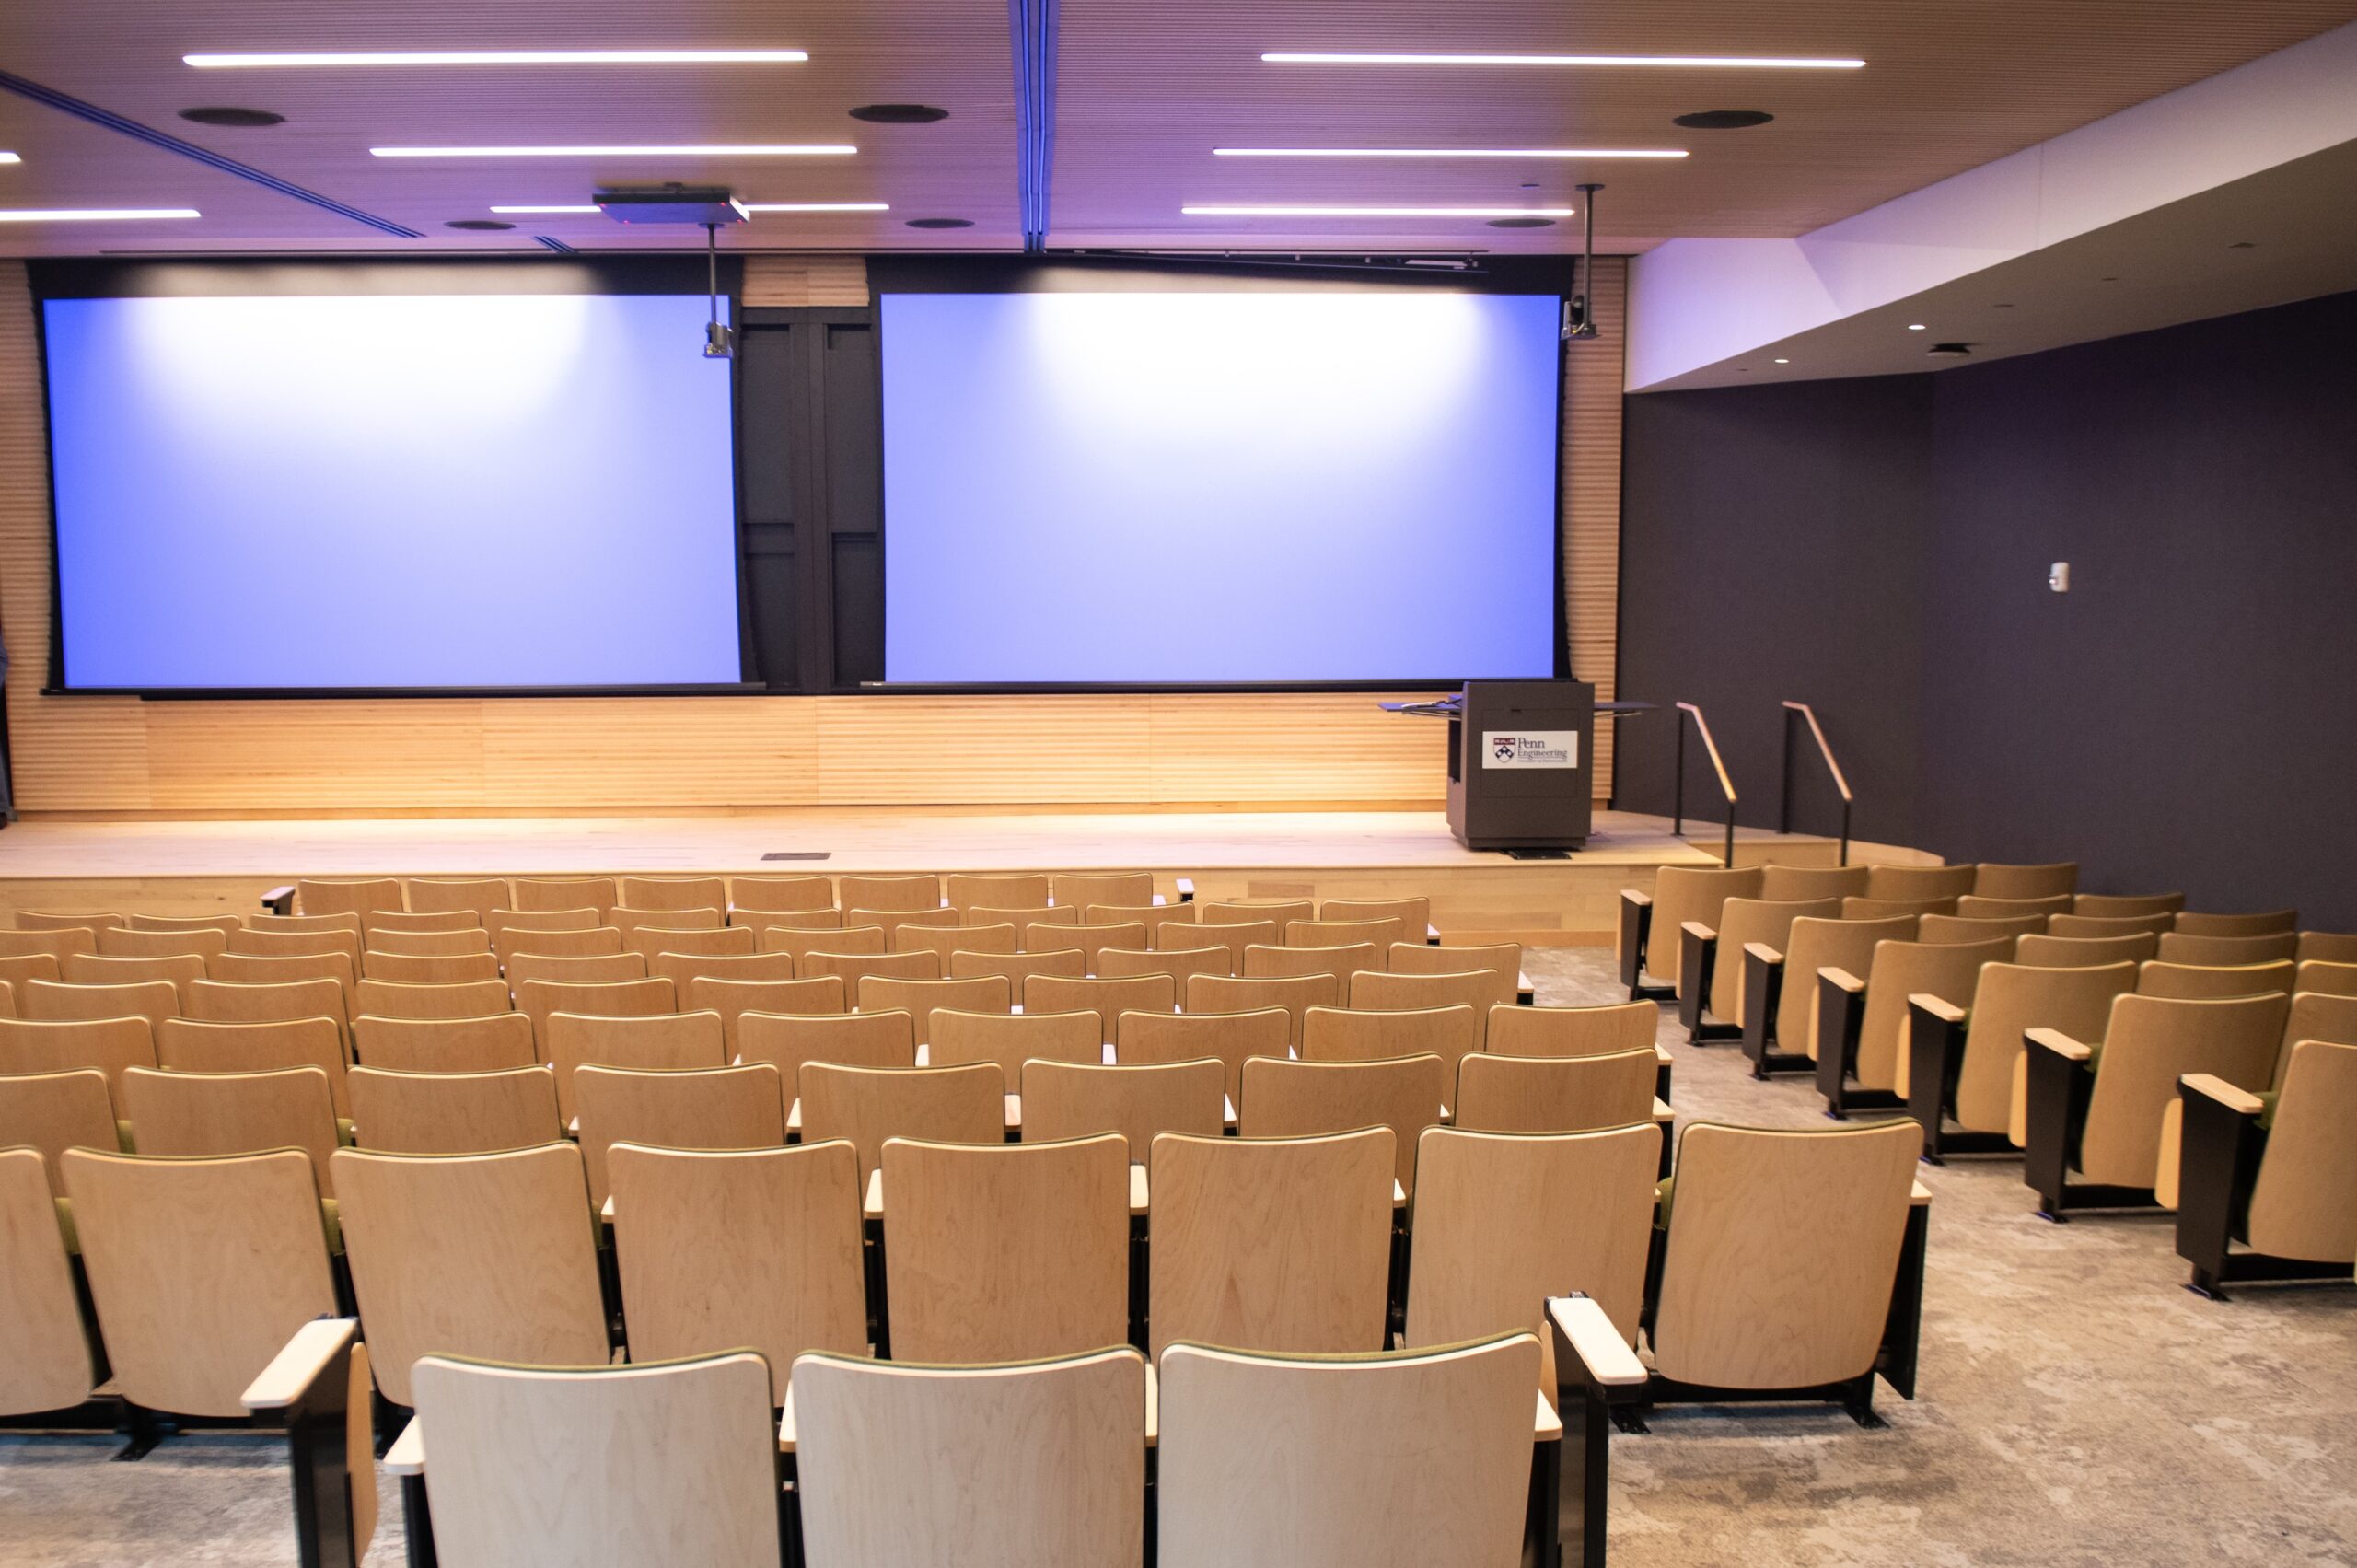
column 457, row 755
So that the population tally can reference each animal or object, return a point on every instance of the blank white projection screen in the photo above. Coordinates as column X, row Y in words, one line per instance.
column 1287, row 487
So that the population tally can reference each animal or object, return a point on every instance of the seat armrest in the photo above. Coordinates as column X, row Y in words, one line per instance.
column 2240, row 1100
column 1185, row 886
column 1635, row 899
column 1697, row 928
column 1432, row 936
column 407, row 1456
column 1763, row 952
column 1941, row 1008
column 2060, row 1044
column 1918, row 1197
column 1842, row 977
column 1601, row 1357
column 316, row 1350
column 872, row 1205
column 280, row 900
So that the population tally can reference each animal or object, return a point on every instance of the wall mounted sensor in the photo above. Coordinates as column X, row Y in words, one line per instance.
column 2058, row 576
column 719, row 338
column 1579, row 319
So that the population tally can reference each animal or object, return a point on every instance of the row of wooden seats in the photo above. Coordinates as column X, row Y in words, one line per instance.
column 960, row 890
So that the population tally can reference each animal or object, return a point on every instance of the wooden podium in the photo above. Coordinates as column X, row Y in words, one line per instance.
column 1518, row 755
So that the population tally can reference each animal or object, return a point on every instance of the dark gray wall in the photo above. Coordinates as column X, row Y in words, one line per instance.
column 2185, row 717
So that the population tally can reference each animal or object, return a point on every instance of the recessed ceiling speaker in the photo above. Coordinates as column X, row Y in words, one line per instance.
column 898, row 113
column 1724, row 119
column 1522, row 223
column 243, row 117
column 941, row 223
column 1950, row 351
column 478, row 226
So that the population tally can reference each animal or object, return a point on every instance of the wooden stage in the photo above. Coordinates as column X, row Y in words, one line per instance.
column 209, row 866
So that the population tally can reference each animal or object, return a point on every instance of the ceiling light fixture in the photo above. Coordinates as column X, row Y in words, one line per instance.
column 1375, row 212
column 899, row 113
column 1450, row 152
column 1723, row 119
column 93, row 214
column 818, row 206
column 10, row 158
column 233, row 118
column 1711, row 62
column 1916, row 327
column 506, row 57
column 845, row 150
column 941, row 223
column 590, row 208
column 1783, row 362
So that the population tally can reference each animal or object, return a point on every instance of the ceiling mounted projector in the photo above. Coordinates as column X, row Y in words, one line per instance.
column 705, row 205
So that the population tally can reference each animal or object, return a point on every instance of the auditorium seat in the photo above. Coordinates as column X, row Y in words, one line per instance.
column 664, row 1042
column 829, row 919
column 1953, row 928
column 45, row 1360
column 1266, row 1458
column 648, row 941
column 1809, row 883
column 1342, row 1034
column 1270, row 1243
column 88, row 968
column 630, row 922
column 38, row 1001
column 2190, row 922
column 115, row 942
column 311, row 923
column 453, row 1112
column 38, row 919
column 1080, row 888
column 2334, row 978
column 478, row 896
column 1156, row 1037
column 1479, row 988
column 361, row 896
column 291, row 968
column 562, row 893
column 1234, row 936
column 799, row 943
column 1107, row 997
column 710, row 1107
column 789, row 1038
column 16, row 970
column 1891, row 909
column 111, row 1042
column 1122, row 963
column 511, row 943
column 752, row 896
column 491, row 1256
column 1979, row 906
column 1069, row 1098
column 1254, row 911
column 537, row 999
column 1782, row 988
column 1648, row 943
column 185, row 1045
column 1920, row 884
column 441, row 923
column 1964, row 1059
column 1414, row 913
column 54, row 1112
column 1068, row 963
column 1862, row 1023
column 230, row 1001
column 56, row 944
column 753, row 1247
column 1006, row 1251
column 275, row 943
column 1296, row 995
column 485, row 1044
column 1008, row 1041
column 2085, row 952
column 500, row 923
column 1050, row 936
column 2196, row 982
column 201, row 1115
column 2275, row 1173
column 1153, row 917
column 684, row 969
column 454, row 968
column 1284, row 963
column 2318, row 1017
column 733, row 998
column 468, row 943
column 1554, row 1094
column 2092, row 1122
column 603, row 969
column 1711, row 969
column 888, row 892
column 2180, row 946
column 2119, row 906
column 1380, row 933
column 853, row 968
column 2328, row 947
column 1300, row 1099
column 466, row 999
column 225, row 923
column 1022, row 916
column 2058, row 879
column 865, row 1106
column 964, row 890
column 920, row 998
column 946, row 940
column 672, row 893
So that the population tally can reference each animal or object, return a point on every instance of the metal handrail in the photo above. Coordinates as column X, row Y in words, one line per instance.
column 1784, row 817
column 1727, row 786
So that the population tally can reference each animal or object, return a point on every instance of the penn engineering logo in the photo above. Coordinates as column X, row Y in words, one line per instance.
column 1504, row 747
column 1548, row 748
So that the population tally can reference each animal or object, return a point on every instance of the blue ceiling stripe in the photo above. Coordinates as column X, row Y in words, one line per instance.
column 559, row 246
column 67, row 103
column 1033, row 25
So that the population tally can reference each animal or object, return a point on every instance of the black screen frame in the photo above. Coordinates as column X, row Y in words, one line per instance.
column 133, row 278
column 922, row 273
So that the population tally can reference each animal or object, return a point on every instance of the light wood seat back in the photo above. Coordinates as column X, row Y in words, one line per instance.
column 894, row 922
column 466, row 999
column 715, row 1107
column 86, row 968
column 38, row 1001
column 402, row 923
column 1689, row 892
column 866, row 1106
column 673, row 892
column 1314, row 1454
column 965, row 889
column 113, row 1045
column 652, row 942
column 1019, row 968
column 2054, row 880
column 1781, row 1253
column 1234, row 937
column 751, row 897
column 192, row 1115
column 1808, row 884
column 1892, row 908
column 1344, row 1034
column 1419, row 957
column 1286, row 963
column 1381, row 931
column 55, row 943
column 2084, row 952
column 487, row 1044
column 233, row 1002
column 1021, row 916
column 360, row 896
column 535, row 947
column 1949, row 971
column 1008, row 1041
column 201, row 1270
column 2178, row 947
column 922, row 998
column 311, row 925
column 733, row 998
column 1052, row 937
column 600, row 968
column 1554, row 1094
column 1911, row 883
column 543, row 894
column 1153, row 917
column 824, row 919
column 2326, row 977
column 453, row 969
column 1301, row 1099
column 2197, row 983
column 1296, row 995
column 1373, row 992
column 1007, row 1251
column 799, row 943
column 1151, row 1039
column 684, row 969
column 45, row 1360
column 1743, row 922
column 2189, row 922
column 471, row 942
column 478, row 896
column 1817, row 945
column 631, row 922
column 655, row 1042
column 2150, row 1043
column 2108, row 924
column 185, row 1045
column 2327, row 947
column 493, row 1255
column 1127, row 963
column 1980, row 906
column 1254, row 912
column 117, row 942
column 745, row 1246
column 1106, row 997
column 1956, row 929
column 2304, row 1202
column 2010, row 1000
column 291, row 968
column 47, row 920
column 905, row 892
column 225, row 923
column 674, row 1462
column 504, row 926
column 1516, row 1030
column 1504, row 1222
column 2328, row 1017
column 1413, row 914
column 1277, row 1244
column 1067, row 1099
column 454, row 1113
column 945, row 941
column 49, row 1113
column 854, row 967
column 894, row 1462
column 15, row 971
column 1081, row 889
column 537, row 999
column 846, row 1039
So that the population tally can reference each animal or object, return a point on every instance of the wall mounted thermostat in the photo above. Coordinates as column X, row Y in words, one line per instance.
column 2058, row 576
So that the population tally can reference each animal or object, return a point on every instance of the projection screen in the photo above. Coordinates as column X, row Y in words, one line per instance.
column 1288, row 488
column 385, row 490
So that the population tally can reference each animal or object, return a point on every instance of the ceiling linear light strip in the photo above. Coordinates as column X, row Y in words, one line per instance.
column 843, row 149
column 68, row 104
column 93, row 214
column 1452, row 152
column 504, row 57
column 1375, row 212
column 1705, row 62
column 10, row 158
column 1031, row 24
column 592, row 209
